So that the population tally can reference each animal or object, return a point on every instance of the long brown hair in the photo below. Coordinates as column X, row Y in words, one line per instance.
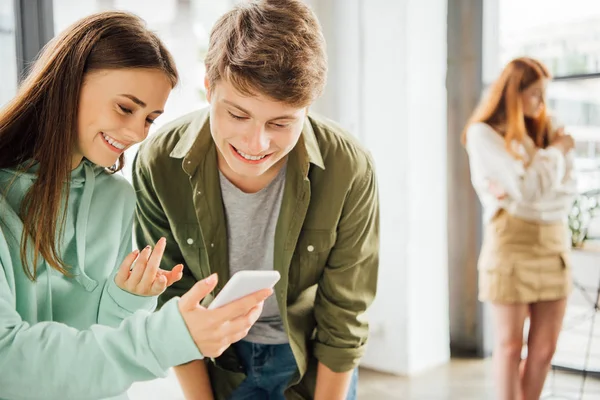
column 39, row 125
column 502, row 105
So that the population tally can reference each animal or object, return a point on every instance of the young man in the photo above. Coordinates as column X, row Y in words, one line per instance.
column 255, row 182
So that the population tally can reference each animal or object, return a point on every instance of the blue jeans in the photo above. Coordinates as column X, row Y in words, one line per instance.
column 269, row 370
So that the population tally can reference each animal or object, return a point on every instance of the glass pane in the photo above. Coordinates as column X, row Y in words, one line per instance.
column 576, row 104
column 183, row 25
column 567, row 40
column 8, row 54
column 565, row 35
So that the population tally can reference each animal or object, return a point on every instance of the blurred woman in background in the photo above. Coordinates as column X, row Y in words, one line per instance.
column 521, row 169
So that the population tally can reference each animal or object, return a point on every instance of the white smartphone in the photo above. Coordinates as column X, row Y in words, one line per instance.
column 243, row 283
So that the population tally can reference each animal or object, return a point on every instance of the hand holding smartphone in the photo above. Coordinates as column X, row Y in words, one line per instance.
column 243, row 283
column 227, row 324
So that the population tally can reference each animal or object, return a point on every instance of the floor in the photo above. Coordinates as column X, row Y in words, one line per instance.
column 461, row 379
column 466, row 379
column 471, row 379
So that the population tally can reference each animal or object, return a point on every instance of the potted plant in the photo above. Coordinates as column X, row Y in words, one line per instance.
column 585, row 207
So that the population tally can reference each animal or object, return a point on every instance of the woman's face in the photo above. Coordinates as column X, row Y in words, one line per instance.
column 116, row 109
column 533, row 98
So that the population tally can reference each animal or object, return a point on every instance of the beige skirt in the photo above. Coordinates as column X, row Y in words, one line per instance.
column 523, row 261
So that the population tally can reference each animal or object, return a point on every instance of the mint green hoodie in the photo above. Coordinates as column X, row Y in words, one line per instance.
column 81, row 337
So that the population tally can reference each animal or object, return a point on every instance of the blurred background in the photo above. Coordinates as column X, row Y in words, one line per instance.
column 404, row 77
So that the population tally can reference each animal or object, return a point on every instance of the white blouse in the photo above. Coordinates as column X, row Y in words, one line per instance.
column 539, row 188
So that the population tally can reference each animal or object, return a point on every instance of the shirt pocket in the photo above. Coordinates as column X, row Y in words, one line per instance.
column 310, row 258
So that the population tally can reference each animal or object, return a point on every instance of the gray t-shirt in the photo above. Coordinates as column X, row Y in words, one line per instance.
column 251, row 221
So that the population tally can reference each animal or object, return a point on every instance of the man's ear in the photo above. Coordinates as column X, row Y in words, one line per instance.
column 207, row 89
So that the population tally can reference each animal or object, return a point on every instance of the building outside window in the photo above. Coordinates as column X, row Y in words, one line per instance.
column 567, row 41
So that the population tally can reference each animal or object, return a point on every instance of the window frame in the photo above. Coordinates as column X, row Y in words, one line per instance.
column 34, row 27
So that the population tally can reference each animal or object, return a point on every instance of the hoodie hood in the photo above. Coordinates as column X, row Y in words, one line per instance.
column 81, row 189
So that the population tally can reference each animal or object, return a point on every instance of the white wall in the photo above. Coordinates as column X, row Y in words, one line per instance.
column 387, row 85
column 427, row 122
column 342, row 98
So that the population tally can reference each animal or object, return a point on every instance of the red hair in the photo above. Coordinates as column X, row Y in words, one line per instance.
column 503, row 105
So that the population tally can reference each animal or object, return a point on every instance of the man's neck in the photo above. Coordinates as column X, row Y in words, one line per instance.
column 250, row 184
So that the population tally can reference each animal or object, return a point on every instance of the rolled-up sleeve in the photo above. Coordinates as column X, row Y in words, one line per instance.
column 348, row 285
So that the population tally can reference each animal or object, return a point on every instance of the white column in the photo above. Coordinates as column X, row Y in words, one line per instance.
column 387, row 81
column 342, row 27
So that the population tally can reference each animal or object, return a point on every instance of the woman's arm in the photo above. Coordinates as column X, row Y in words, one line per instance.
column 491, row 162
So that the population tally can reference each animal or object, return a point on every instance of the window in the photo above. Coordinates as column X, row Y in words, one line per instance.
column 8, row 54
column 565, row 36
column 567, row 41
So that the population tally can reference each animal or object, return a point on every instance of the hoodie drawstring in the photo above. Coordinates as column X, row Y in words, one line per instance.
column 81, row 225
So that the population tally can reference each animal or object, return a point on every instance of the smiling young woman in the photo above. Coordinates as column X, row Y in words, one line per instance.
column 75, row 301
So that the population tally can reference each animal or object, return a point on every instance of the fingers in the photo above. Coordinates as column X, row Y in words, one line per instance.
column 138, row 268
column 496, row 190
column 192, row 298
column 159, row 285
column 565, row 138
column 145, row 278
column 166, row 278
column 149, row 274
column 245, row 321
column 224, row 334
column 567, row 142
column 172, row 276
column 242, row 306
column 236, row 337
column 124, row 269
column 238, row 328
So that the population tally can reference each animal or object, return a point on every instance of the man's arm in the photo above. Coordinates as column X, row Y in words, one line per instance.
column 332, row 385
column 346, row 290
column 151, row 223
column 194, row 380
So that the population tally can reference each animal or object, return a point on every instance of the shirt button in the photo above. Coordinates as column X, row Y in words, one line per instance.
column 190, row 241
column 310, row 248
column 212, row 245
column 189, row 162
column 199, row 192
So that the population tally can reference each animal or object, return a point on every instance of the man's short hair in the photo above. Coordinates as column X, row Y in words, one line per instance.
column 269, row 47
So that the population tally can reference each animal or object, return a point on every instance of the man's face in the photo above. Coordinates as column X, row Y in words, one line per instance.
column 252, row 133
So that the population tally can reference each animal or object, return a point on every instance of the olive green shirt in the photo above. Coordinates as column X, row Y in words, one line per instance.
column 326, row 240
